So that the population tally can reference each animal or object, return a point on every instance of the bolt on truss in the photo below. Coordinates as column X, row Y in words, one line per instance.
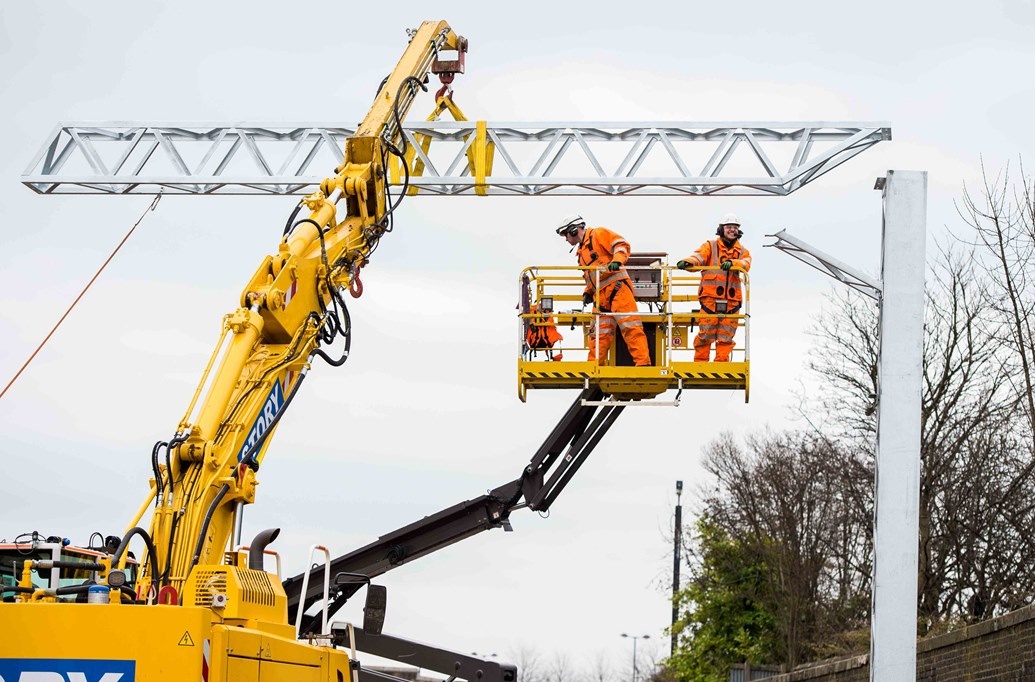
column 453, row 157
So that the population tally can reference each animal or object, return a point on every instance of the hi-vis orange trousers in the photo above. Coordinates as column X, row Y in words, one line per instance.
column 603, row 334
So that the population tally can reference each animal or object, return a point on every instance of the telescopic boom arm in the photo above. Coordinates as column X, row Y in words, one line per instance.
column 554, row 464
column 292, row 306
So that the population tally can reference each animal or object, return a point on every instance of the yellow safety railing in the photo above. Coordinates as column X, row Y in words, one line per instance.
column 668, row 306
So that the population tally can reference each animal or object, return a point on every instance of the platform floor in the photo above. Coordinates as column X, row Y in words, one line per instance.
column 633, row 382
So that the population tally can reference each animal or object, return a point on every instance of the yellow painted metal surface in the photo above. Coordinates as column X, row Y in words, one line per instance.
column 157, row 643
column 249, row 595
column 669, row 311
column 154, row 644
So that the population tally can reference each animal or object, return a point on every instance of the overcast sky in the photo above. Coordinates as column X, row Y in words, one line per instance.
column 425, row 413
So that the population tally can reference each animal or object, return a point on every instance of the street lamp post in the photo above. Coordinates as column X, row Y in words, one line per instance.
column 634, row 638
column 677, row 541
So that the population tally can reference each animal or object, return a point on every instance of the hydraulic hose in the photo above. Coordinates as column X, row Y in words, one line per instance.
column 247, row 457
column 124, row 590
column 152, row 554
column 289, row 227
column 47, row 564
column 175, row 442
column 208, row 519
column 159, row 485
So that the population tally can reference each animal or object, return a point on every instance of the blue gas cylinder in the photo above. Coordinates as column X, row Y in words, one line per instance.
column 97, row 594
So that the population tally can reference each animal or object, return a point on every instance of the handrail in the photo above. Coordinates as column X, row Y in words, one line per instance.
column 326, row 587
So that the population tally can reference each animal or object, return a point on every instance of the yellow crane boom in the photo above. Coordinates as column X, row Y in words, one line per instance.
column 291, row 307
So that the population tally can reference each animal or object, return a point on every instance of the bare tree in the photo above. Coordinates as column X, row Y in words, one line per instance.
column 529, row 664
column 796, row 500
column 561, row 670
column 600, row 668
column 972, row 506
column 800, row 504
column 1001, row 217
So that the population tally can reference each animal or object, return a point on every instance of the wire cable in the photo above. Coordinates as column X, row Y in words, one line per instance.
column 82, row 293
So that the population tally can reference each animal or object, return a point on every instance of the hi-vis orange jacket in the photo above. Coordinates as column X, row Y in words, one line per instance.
column 717, row 284
column 599, row 247
column 541, row 332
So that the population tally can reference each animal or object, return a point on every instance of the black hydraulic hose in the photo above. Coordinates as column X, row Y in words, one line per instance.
column 168, row 552
column 124, row 590
column 345, row 329
column 47, row 564
column 73, row 589
column 175, row 442
column 159, row 486
column 334, row 323
column 152, row 554
column 289, row 227
column 247, row 457
column 290, row 354
column 409, row 80
column 311, row 222
column 17, row 588
column 386, row 219
column 204, row 526
column 401, row 153
column 333, row 362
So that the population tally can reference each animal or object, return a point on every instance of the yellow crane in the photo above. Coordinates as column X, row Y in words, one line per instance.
column 201, row 608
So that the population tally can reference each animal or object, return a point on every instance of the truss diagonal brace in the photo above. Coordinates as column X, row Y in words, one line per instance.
column 559, row 158
column 826, row 264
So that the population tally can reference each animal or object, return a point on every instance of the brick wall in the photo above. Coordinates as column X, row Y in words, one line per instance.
column 1001, row 649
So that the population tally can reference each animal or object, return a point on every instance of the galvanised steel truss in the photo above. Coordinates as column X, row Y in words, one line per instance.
column 456, row 158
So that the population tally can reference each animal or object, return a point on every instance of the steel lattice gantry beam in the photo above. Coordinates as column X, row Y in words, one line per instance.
column 520, row 159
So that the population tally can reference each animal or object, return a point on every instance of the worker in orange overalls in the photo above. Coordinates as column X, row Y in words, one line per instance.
column 721, row 291
column 604, row 254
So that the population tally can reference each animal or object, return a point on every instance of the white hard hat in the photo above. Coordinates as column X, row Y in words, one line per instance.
column 569, row 224
column 730, row 219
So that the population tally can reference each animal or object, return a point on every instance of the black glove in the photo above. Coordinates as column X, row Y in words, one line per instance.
column 587, row 298
column 613, row 265
column 727, row 264
column 683, row 265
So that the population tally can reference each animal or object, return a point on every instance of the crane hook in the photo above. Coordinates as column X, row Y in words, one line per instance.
column 356, row 286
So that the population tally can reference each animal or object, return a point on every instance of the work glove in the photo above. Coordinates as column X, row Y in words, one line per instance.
column 613, row 265
column 683, row 265
column 587, row 298
column 727, row 264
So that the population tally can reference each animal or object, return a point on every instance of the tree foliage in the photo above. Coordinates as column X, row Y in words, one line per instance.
column 789, row 520
column 727, row 615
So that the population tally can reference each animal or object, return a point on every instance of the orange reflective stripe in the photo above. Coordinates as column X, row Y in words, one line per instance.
column 630, row 323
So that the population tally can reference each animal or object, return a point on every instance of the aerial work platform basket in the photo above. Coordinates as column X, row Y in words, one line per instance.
column 551, row 307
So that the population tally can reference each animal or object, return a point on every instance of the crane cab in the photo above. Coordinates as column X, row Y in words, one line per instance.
column 555, row 333
column 75, row 567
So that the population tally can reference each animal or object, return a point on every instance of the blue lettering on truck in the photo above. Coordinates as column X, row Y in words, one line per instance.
column 66, row 670
column 263, row 422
